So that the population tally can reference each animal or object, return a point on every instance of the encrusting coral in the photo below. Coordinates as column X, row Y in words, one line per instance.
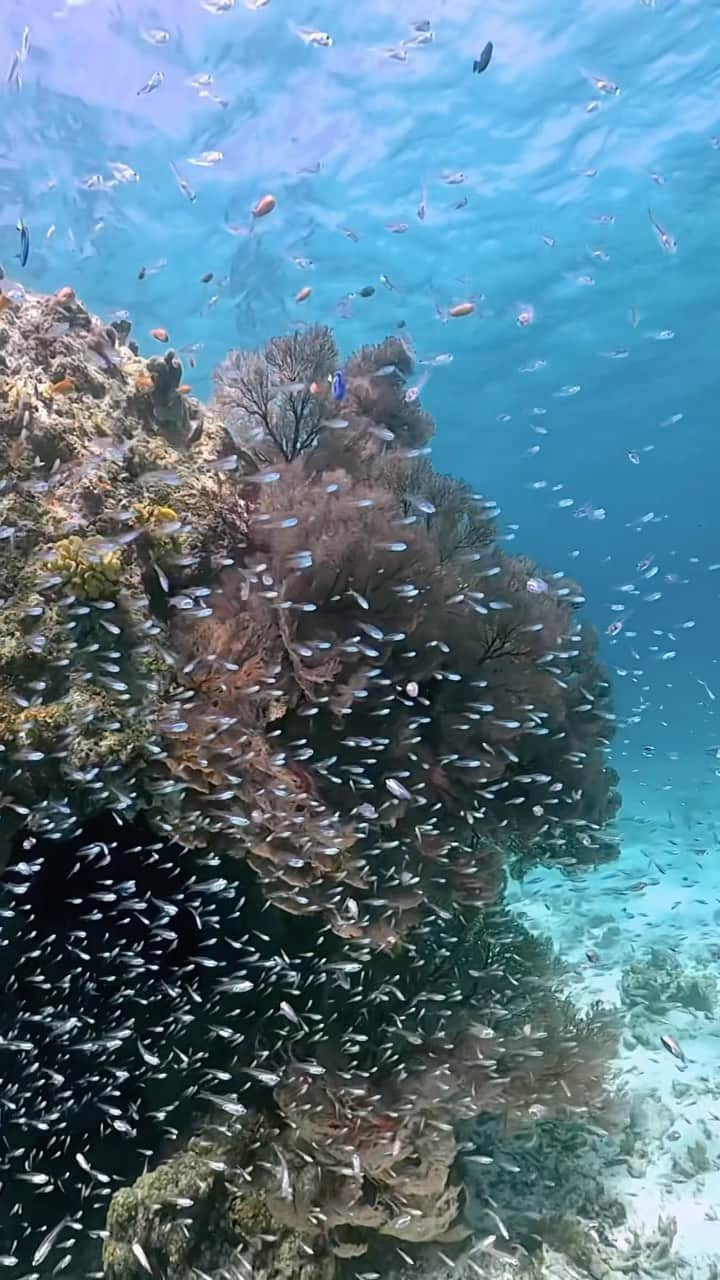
column 271, row 630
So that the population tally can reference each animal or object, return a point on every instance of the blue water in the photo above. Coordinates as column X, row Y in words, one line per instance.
column 559, row 178
column 538, row 162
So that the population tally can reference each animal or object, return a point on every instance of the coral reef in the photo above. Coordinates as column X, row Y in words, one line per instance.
column 269, row 630
column 366, row 1149
column 649, row 1119
column 193, row 1215
column 660, row 981
column 189, row 1214
column 328, row 667
column 542, row 1176
column 658, row 984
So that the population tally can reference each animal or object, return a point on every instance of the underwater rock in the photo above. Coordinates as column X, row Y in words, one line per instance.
column 179, row 419
column 584, row 1255
column 608, row 1256
column 194, row 1213
column 693, row 1162
column 650, row 1117
column 649, row 1121
column 89, row 555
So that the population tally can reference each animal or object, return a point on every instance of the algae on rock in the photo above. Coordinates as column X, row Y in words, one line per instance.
column 202, row 1210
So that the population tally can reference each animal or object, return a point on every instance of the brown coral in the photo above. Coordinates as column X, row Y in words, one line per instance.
column 336, row 671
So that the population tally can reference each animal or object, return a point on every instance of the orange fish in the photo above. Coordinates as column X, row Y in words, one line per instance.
column 144, row 382
column 303, row 294
column 160, row 335
column 184, row 389
column 65, row 295
column 462, row 309
column 264, row 206
column 62, row 387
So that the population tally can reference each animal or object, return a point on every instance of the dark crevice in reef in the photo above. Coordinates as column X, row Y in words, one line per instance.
column 114, row 947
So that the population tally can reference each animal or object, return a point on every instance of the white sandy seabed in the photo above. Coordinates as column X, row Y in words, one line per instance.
column 663, row 892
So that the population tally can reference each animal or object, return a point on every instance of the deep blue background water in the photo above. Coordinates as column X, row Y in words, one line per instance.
column 537, row 163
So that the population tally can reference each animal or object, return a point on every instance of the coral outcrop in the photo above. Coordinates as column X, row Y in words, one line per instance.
column 269, row 630
column 366, row 1154
column 657, row 985
column 659, row 982
column 281, row 633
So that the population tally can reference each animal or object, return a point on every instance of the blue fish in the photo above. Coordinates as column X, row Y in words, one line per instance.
column 339, row 386
column 24, row 243
column 483, row 62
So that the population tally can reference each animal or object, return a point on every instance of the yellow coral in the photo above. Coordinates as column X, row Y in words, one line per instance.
column 149, row 513
column 89, row 573
column 250, row 1215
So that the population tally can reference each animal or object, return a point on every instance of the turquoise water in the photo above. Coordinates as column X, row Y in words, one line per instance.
column 349, row 137
column 580, row 394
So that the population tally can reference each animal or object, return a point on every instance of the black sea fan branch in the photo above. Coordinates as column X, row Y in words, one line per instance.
column 275, row 402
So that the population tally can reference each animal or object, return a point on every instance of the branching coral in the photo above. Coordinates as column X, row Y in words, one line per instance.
column 266, row 401
column 659, row 982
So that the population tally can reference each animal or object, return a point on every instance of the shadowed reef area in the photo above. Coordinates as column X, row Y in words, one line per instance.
column 267, row 638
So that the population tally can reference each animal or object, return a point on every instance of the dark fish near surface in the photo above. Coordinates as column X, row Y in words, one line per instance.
column 483, row 62
column 24, row 243
column 153, row 83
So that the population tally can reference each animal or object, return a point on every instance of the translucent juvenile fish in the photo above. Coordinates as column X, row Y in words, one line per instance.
column 320, row 39
column 396, row 788
column 141, row 1256
column 160, row 477
column 436, row 361
column 666, row 241
column 123, row 172
column 183, row 184
column 152, row 83
column 206, row 159
column 424, row 505
column 413, row 393
column 602, row 85
column 47, row 1243
column 156, row 35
